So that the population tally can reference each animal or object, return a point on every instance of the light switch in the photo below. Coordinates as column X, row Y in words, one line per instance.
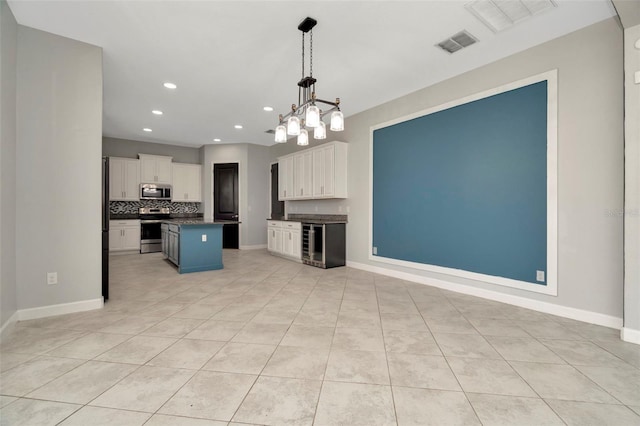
column 204, row 238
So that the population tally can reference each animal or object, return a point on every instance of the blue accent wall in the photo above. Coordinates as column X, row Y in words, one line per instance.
column 466, row 187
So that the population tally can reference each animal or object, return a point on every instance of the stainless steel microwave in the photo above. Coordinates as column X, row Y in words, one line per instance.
column 152, row 191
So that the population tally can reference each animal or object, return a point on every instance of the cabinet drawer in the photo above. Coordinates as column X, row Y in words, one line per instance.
column 274, row 224
column 292, row 225
column 118, row 223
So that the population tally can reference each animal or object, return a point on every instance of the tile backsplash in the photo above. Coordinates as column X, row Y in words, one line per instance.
column 131, row 207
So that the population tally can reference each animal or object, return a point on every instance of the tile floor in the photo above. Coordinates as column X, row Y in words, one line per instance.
column 271, row 342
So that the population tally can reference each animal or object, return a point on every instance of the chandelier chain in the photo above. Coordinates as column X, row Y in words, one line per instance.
column 311, row 53
column 302, row 55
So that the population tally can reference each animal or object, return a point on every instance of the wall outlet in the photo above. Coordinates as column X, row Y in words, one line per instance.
column 52, row 278
column 316, row 207
column 204, row 238
column 375, row 250
column 348, row 209
column 339, row 209
column 540, row 276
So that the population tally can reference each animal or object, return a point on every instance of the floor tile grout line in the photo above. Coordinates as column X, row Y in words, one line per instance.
column 386, row 356
column 326, row 366
column 199, row 370
column 271, row 356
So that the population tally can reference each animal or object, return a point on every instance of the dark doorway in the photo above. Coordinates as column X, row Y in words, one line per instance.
column 225, row 202
column 277, row 207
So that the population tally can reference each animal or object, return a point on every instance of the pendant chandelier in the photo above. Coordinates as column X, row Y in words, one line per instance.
column 307, row 114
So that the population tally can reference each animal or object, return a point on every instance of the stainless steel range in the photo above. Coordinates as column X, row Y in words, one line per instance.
column 150, row 232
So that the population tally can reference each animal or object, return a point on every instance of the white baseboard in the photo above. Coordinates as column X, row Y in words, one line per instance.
column 8, row 326
column 630, row 335
column 61, row 309
column 254, row 247
column 523, row 302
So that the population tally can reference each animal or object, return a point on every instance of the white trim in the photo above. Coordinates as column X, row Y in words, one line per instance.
column 254, row 247
column 630, row 335
column 523, row 302
column 61, row 309
column 8, row 326
column 551, row 287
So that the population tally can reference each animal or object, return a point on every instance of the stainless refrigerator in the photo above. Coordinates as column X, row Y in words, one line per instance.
column 105, row 228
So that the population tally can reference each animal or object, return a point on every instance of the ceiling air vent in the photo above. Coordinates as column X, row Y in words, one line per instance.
column 457, row 42
column 499, row 15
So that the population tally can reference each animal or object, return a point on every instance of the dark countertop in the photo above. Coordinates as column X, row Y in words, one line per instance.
column 123, row 216
column 315, row 218
column 199, row 221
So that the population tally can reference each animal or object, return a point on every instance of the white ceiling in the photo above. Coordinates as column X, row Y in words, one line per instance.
column 231, row 58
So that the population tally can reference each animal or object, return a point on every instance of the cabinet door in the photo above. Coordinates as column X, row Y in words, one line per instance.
column 271, row 239
column 303, row 174
column 180, row 189
column 116, row 179
column 163, row 170
column 147, row 170
column 131, row 181
column 285, row 179
column 278, row 241
column 328, row 171
column 194, row 182
column 296, row 244
column 318, row 173
column 115, row 239
column 286, row 242
column 131, row 238
column 173, row 247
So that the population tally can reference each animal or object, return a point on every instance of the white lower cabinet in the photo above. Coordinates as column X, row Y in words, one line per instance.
column 124, row 235
column 284, row 238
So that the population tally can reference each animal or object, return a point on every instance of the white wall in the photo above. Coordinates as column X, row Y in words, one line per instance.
column 258, row 205
column 59, row 122
column 8, row 64
column 632, row 188
column 590, row 171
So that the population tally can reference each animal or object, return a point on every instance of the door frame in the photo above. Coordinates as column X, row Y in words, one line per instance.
column 240, row 194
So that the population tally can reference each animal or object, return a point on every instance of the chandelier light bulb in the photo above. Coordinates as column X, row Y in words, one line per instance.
column 281, row 134
column 320, row 132
column 293, row 126
column 313, row 116
column 337, row 121
column 303, row 137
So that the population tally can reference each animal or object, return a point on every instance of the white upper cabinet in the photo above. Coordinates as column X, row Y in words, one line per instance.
column 124, row 179
column 303, row 174
column 155, row 169
column 187, row 182
column 285, row 178
column 314, row 173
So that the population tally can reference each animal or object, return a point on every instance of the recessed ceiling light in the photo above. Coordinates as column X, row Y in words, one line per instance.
column 268, row 108
column 146, row 129
column 157, row 112
column 170, row 85
column 216, row 140
column 238, row 126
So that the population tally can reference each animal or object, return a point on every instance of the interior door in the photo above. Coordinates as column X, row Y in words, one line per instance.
column 225, row 201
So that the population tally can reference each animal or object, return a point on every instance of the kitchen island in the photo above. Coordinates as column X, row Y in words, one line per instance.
column 193, row 245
